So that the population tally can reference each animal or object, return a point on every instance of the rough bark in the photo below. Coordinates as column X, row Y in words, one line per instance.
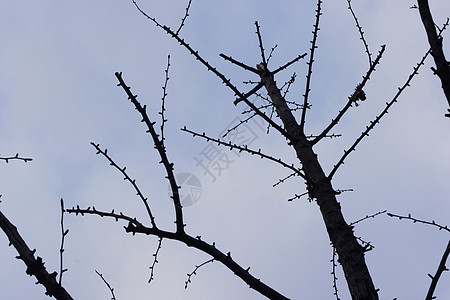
column 351, row 253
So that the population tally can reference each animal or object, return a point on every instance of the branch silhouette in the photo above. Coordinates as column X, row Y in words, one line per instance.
column 15, row 157
column 435, row 40
column 439, row 271
column 372, row 124
column 134, row 227
column 35, row 265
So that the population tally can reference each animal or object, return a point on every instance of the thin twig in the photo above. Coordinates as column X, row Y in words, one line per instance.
column 237, row 125
column 93, row 211
column 61, row 249
column 111, row 289
column 409, row 217
column 298, row 196
column 281, row 68
column 353, row 98
column 163, row 99
column 288, row 85
column 17, row 157
column 195, row 271
column 155, row 260
column 361, row 32
column 310, row 64
column 161, row 150
column 282, row 180
column 367, row 217
column 186, row 14
column 271, row 52
column 378, row 118
column 245, row 149
column 127, row 178
column 261, row 47
column 333, row 273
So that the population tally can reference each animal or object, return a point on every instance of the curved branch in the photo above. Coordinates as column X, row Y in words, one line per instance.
column 361, row 32
column 135, row 226
column 126, row 177
column 161, row 150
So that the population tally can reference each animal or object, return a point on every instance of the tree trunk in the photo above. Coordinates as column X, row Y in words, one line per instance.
column 350, row 252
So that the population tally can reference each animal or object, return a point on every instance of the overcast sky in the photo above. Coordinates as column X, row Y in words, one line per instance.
column 58, row 93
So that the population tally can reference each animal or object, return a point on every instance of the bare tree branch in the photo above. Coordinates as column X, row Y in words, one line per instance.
column 368, row 217
column 310, row 64
column 61, row 249
column 35, row 266
column 261, row 47
column 195, row 271
column 17, row 157
column 155, row 260
column 208, row 66
column 281, row 68
column 440, row 270
column 111, row 289
column 361, row 32
column 163, row 99
column 415, row 220
column 357, row 95
column 127, row 178
column 246, row 149
column 333, row 273
column 378, row 118
column 435, row 40
column 238, row 63
column 135, row 226
column 186, row 14
column 162, row 153
column 351, row 253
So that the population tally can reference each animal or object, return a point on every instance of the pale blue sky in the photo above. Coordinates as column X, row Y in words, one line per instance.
column 59, row 93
